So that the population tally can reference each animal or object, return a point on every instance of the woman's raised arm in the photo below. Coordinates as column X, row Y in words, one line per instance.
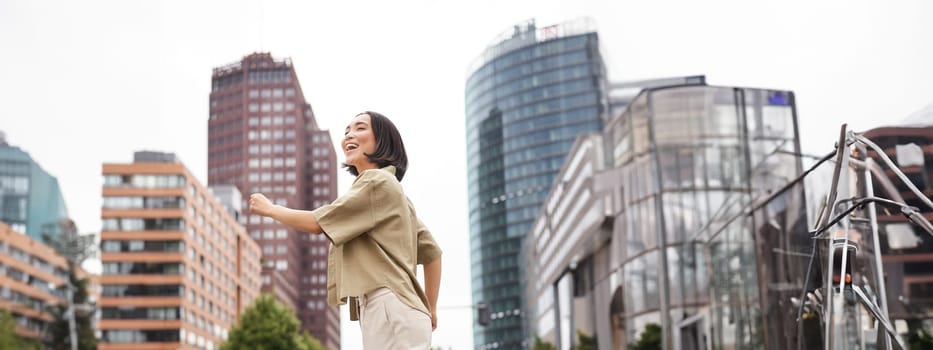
column 301, row 220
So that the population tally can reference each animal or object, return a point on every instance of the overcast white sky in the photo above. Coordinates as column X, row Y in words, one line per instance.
column 82, row 83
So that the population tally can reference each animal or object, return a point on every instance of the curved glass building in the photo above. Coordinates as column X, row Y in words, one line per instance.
column 530, row 94
column 674, row 223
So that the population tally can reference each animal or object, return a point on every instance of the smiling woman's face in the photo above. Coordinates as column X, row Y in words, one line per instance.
column 358, row 142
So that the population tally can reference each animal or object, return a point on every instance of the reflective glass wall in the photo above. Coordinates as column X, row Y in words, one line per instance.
column 694, row 160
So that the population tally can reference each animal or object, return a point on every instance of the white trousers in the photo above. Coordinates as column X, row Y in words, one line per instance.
column 389, row 324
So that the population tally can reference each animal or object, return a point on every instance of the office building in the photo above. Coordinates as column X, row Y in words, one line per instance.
column 29, row 196
column 178, row 269
column 263, row 137
column 528, row 96
column 648, row 224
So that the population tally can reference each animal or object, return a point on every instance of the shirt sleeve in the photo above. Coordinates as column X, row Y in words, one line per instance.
column 351, row 215
column 428, row 250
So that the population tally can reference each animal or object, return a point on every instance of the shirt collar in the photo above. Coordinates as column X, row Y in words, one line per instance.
column 389, row 168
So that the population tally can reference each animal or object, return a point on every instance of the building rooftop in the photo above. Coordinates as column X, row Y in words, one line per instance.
column 920, row 118
column 154, row 157
column 253, row 61
column 526, row 34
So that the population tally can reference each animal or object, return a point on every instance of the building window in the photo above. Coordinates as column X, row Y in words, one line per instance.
column 141, row 336
column 145, row 313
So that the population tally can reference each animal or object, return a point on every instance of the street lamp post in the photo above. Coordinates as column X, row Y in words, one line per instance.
column 72, row 332
column 76, row 248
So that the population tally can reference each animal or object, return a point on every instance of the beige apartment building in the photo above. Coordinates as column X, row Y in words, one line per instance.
column 178, row 269
column 32, row 277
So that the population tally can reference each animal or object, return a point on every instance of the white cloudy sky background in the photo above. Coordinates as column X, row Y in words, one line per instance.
column 82, row 83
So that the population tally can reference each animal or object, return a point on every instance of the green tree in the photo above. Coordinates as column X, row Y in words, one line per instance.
column 8, row 337
column 307, row 342
column 585, row 342
column 269, row 325
column 30, row 344
column 542, row 345
column 59, row 337
column 650, row 338
column 919, row 340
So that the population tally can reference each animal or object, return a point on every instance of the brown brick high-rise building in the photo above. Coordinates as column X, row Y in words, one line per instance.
column 263, row 137
column 907, row 250
column 178, row 269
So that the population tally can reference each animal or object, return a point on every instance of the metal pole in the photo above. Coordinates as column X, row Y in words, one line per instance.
column 887, row 160
column 829, row 324
column 882, row 319
column 72, row 333
column 876, row 245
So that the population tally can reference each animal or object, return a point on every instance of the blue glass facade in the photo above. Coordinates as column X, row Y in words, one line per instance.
column 525, row 106
column 29, row 196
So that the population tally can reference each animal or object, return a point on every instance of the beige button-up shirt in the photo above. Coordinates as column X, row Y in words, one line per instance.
column 377, row 242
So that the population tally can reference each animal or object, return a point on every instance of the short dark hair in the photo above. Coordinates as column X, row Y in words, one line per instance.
column 390, row 150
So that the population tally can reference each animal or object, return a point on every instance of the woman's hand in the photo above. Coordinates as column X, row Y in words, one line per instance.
column 260, row 205
column 433, row 321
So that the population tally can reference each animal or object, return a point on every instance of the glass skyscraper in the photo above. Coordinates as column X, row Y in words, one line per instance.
column 528, row 97
column 29, row 196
